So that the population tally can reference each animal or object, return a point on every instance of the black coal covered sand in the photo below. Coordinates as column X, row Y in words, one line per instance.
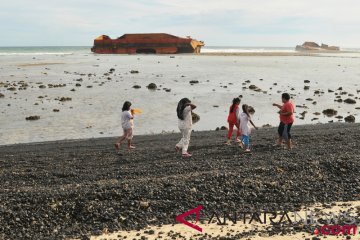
column 78, row 188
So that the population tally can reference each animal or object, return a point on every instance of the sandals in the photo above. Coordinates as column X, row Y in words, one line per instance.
column 187, row 155
column 247, row 151
column 236, row 140
column 117, row 146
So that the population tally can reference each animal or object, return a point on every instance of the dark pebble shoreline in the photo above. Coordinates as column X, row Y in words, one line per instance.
column 78, row 188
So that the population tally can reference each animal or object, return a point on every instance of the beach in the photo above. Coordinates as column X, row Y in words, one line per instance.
column 80, row 189
column 71, row 93
column 60, row 117
column 180, row 120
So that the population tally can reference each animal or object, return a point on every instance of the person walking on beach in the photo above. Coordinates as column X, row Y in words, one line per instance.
column 127, row 123
column 245, row 128
column 233, row 121
column 286, row 120
column 183, row 110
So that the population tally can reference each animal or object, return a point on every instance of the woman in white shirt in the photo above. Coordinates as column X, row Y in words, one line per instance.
column 183, row 111
column 245, row 128
column 127, row 123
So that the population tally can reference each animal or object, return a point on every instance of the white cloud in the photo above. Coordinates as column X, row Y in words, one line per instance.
column 227, row 22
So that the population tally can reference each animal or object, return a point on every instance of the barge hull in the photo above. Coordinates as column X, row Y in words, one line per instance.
column 151, row 43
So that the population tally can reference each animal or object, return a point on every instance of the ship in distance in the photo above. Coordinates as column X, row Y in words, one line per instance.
column 155, row 43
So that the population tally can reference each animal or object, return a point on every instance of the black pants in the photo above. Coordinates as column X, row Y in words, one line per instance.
column 284, row 130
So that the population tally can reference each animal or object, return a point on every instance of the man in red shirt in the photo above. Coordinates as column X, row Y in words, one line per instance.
column 286, row 120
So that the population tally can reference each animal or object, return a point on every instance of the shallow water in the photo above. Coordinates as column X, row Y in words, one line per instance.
column 95, row 112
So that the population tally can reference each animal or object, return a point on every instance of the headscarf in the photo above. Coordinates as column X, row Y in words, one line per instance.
column 181, row 106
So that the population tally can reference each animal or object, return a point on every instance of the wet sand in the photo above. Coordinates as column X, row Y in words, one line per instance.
column 82, row 97
column 81, row 188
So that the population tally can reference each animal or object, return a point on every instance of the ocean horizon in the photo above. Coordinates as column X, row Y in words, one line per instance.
column 65, row 50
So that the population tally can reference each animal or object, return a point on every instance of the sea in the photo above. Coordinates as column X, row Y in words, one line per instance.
column 66, row 50
column 34, row 81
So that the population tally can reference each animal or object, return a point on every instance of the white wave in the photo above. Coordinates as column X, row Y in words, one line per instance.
column 34, row 53
column 244, row 50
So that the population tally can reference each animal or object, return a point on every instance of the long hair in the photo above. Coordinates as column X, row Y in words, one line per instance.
column 235, row 101
column 245, row 108
column 181, row 106
column 126, row 106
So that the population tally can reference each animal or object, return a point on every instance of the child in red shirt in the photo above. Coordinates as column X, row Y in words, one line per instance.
column 233, row 121
column 286, row 120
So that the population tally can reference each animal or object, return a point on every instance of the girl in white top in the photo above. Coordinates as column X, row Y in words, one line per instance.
column 245, row 128
column 127, row 123
column 183, row 111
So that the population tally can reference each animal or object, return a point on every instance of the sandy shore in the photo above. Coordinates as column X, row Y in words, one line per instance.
column 81, row 188
column 254, row 231
column 38, row 64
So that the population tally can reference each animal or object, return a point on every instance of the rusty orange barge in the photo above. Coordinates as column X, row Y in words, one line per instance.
column 158, row 43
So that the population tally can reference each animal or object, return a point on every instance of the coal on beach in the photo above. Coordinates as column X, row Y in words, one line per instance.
column 79, row 188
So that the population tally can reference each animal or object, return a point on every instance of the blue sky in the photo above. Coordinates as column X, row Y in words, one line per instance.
column 217, row 22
